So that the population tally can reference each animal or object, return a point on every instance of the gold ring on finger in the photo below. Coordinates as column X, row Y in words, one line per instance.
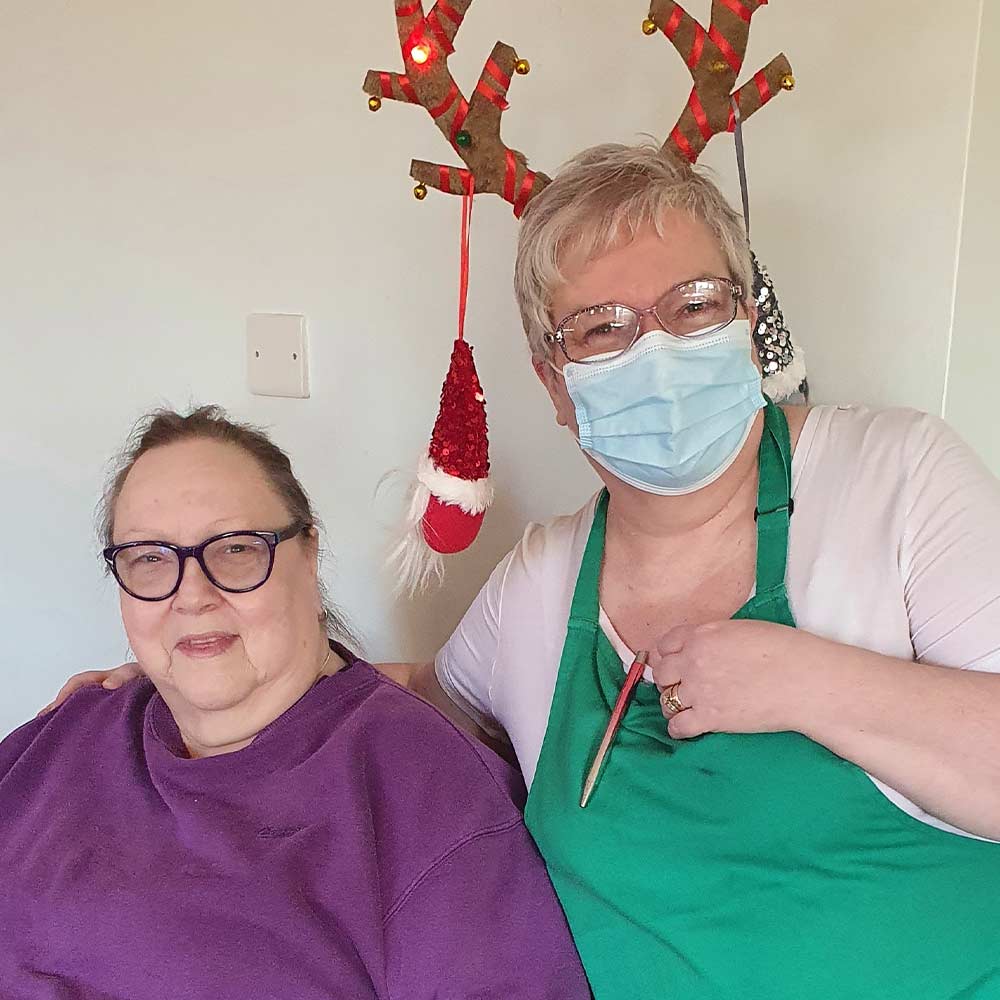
column 670, row 703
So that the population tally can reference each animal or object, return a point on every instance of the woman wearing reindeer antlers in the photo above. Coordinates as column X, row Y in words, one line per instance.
column 753, row 684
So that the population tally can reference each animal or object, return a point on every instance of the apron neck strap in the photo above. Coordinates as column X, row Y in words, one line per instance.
column 774, row 500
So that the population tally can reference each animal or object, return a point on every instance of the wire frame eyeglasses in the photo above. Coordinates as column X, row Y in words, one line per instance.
column 609, row 329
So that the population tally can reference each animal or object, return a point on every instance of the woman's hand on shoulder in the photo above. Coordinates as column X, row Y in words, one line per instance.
column 734, row 677
column 109, row 679
column 421, row 679
column 404, row 674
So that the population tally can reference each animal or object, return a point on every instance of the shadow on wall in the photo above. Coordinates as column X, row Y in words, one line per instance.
column 437, row 611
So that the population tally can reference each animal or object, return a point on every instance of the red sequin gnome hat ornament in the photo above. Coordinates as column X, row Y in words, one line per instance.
column 453, row 489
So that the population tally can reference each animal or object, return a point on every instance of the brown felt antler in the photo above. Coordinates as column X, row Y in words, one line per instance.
column 472, row 127
column 715, row 58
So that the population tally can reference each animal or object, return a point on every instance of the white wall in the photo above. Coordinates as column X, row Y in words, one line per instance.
column 975, row 357
column 167, row 169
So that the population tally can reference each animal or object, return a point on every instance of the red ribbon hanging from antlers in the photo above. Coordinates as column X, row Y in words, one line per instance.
column 463, row 269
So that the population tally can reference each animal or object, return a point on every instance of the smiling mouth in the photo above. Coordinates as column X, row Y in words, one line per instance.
column 206, row 646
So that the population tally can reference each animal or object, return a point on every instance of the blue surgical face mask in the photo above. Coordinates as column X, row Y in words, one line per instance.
column 670, row 415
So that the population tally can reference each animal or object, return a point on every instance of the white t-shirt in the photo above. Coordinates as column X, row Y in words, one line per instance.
column 894, row 547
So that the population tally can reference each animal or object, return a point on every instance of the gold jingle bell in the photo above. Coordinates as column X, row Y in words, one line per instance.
column 788, row 82
column 522, row 67
column 374, row 103
column 649, row 26
column 420, row 192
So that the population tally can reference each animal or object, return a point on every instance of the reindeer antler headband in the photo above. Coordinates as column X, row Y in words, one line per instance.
column 714, row 57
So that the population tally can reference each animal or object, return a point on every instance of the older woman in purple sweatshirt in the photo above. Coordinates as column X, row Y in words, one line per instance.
column 262, row 814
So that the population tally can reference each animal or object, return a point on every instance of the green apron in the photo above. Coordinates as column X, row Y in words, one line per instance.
column 745, row 866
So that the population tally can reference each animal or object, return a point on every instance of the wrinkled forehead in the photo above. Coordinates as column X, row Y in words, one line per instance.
column 184, row 491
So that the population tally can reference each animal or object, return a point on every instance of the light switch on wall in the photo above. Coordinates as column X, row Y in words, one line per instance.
column 277, row 355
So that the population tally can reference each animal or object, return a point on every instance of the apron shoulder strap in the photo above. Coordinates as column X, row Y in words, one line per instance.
column 585, row 609
column 774, row 500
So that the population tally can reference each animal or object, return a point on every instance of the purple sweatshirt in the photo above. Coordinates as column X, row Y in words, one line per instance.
column 361, row 846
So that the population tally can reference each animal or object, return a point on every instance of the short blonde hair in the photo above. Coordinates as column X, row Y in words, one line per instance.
column 604, row 194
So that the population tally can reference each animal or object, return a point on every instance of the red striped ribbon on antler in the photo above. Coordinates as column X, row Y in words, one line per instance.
column 501, row 79
column 697, row 47
column 435, row 24
column 524, row 195
column 440, row 110
column 728, row 52
column 741, row 10
column 439, row 33
column 518, row 198
column 680, row 140
column 452, row 14
column 674, row 22
column 699, row 115
column 763, row 87
column 385, row 79
column 460, row 115
column 464, row 178
column 510, row 177
column 445, row 106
